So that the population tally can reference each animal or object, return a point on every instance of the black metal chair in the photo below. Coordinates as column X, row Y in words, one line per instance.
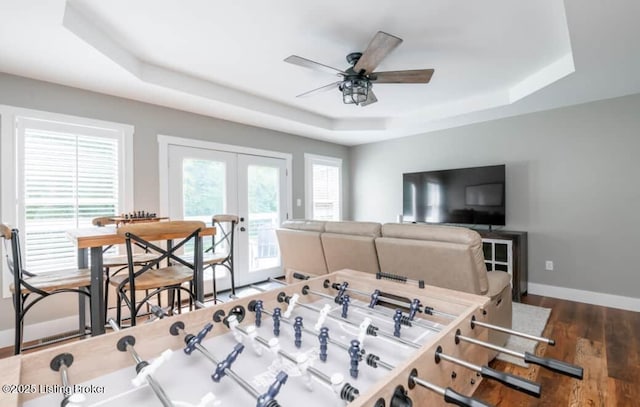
column 155, row 277
column 115, row 263
column 220, row 253
column 29, row 289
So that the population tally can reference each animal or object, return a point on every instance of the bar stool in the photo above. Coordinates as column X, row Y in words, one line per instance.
column 29, row 289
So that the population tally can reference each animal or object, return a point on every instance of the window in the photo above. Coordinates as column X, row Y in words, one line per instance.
column 323, row 186
column 67, row 172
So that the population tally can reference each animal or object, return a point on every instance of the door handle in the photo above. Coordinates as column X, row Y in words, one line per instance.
column 242, row 229
column 241, row 219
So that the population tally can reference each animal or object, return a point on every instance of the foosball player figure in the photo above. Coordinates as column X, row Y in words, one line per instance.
column 354, row 353
column 397, row 319
column 345, row 300
column 374, row 298
column 297, row 326
column 277, row 314
column 324, row 340
column 258, row 310
column 414, row 308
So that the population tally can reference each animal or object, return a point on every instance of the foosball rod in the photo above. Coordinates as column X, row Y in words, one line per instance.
column 336, row 286
column 513, row 381
column 155, row 386
column 427, row 310
column 512, row 332
column 306, row 290
column 555, row 365
column 473, row 320
column 348, row 393
column 450, row 395
column 329, row 339
column 178, row 327
column 282, row 297
column 61, row 363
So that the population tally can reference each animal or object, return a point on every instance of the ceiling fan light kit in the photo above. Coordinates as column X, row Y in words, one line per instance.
column 356, row 87
column 355, row 91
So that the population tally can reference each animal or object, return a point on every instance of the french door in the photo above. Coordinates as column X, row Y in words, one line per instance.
column 205, row 182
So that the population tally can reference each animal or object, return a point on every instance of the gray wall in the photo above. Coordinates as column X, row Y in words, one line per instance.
column 149, row 121
column 572, row 183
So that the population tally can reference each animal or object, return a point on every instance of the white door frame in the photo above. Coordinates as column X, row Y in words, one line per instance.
column 163, row 164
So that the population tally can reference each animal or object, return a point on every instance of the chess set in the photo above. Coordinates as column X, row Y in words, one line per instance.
column 345, row 338
column 136, row 217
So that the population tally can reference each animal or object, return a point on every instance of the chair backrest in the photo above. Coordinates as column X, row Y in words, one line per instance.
column 177, row 233
column 11, row 243
column 224, row 238
column 103, row 221
column 13, row 253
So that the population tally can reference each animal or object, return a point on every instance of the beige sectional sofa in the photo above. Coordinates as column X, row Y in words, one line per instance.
column 443, row 256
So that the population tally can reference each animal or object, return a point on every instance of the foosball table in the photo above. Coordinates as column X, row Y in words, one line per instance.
column 345, row 338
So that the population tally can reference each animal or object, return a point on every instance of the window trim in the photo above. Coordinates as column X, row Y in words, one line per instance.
column 11, row 156
column 309, row 161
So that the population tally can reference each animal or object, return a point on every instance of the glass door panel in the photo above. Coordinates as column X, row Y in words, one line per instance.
column 202, row 183
column 261, row 199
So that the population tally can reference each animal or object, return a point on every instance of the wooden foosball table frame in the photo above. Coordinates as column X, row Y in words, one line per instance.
column 98, row 356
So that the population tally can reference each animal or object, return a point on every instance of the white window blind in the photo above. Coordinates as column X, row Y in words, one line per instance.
column 324, row 191
column 68, row 179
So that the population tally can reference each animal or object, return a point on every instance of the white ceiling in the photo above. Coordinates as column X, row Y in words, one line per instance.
column 494, row 58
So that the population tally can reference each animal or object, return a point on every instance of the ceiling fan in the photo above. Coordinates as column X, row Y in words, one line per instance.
column 358, row 79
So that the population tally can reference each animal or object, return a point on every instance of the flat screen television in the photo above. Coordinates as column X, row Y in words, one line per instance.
column 469, row 196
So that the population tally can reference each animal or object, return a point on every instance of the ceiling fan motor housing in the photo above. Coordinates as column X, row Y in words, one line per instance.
column 353, row 58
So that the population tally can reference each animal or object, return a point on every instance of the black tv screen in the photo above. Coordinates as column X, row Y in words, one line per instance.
column 470, row 196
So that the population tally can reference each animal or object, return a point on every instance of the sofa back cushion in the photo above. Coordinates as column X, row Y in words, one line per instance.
column 301, row 248
column 351, row 245
column 444, row 256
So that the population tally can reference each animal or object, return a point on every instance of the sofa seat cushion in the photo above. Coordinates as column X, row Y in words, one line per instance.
column 498, row 280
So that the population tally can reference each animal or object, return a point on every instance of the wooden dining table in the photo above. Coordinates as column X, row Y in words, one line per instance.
column 94, row 239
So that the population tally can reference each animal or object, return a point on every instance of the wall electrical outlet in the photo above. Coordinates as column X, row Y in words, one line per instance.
column 548, row 265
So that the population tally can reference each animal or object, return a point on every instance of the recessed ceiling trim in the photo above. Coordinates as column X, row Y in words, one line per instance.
column 76, row 22
column 542, row 78
column 201, row 90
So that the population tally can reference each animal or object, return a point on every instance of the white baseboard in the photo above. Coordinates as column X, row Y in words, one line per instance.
column 589, row 297
column 41, row 330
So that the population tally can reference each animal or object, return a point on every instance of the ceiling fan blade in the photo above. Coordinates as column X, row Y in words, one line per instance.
column 317, row 66
column 321, row 89
column 371, row 98
column 379, row 47
column 411, row 76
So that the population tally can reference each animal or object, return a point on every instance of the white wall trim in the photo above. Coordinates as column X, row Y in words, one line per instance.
column 41, row 330
column 589, row 297
column 163, row 162
column 309, row 160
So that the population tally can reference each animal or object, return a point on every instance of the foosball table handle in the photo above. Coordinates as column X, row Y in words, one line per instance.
column 556, row 365
column 515, row 382
column 453, row 397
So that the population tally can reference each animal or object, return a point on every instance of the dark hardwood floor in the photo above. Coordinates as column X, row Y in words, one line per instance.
column 604, row 341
